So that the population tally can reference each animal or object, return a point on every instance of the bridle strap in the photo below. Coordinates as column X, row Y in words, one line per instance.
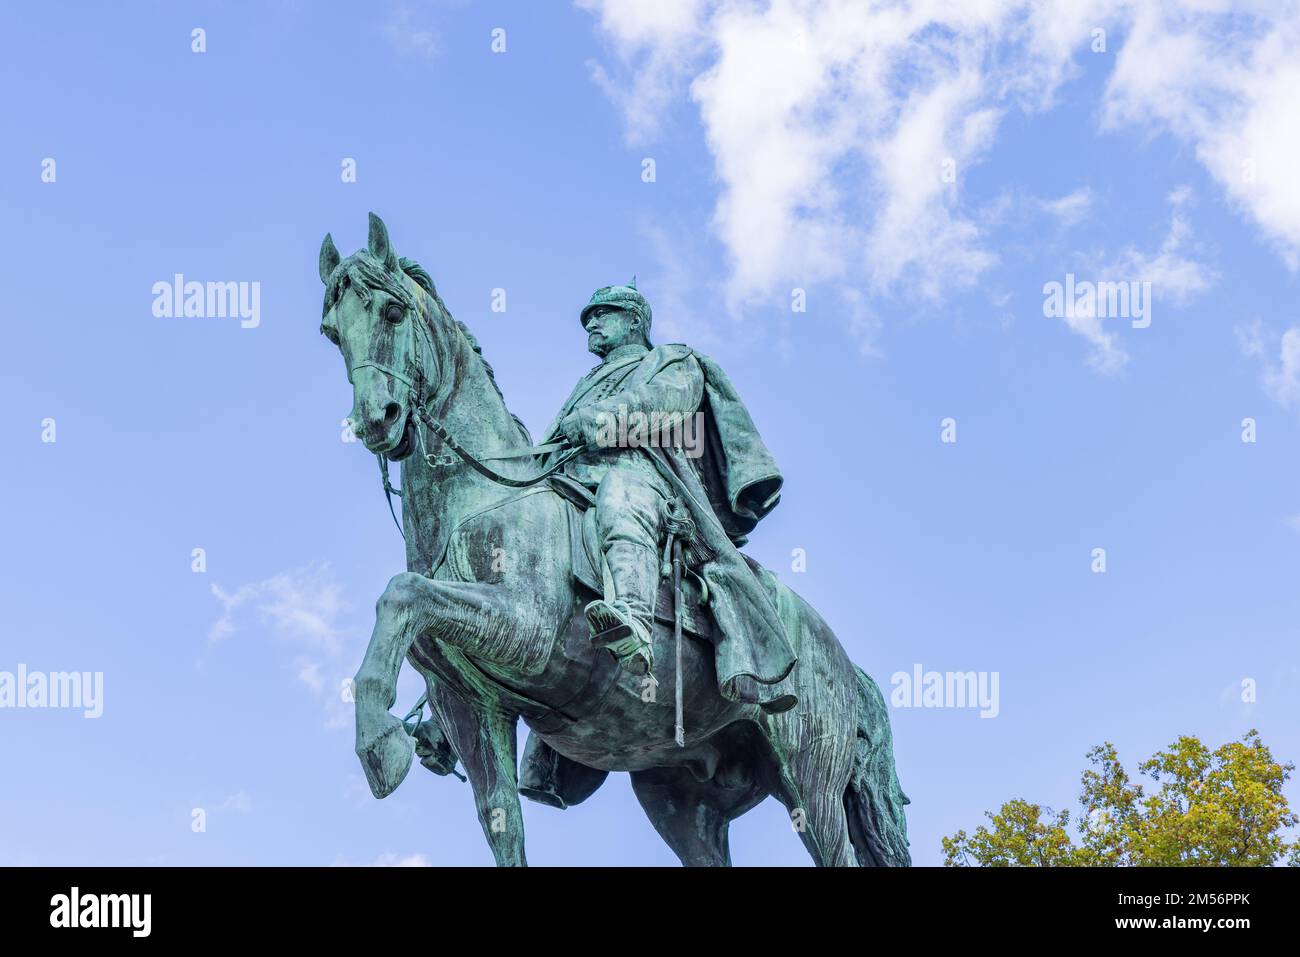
column 437, row 429
column 389, row 492
column 387, row 370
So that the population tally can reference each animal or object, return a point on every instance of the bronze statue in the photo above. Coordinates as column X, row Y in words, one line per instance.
column 593, row 586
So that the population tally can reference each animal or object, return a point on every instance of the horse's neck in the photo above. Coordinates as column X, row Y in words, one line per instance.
column 438, row 497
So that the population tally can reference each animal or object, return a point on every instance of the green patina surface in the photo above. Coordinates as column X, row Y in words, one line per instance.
column 607, row 603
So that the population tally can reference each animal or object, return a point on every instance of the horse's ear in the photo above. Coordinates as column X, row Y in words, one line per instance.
column 379, row 244
column 329, row 258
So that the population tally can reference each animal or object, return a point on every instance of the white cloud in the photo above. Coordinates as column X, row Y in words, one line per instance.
column 841, row 135
column 659, row 41
column 676, row 297
column 1250, row 338
column 390, row 859
column 1071, row 208
column 1107, row 356
column 1222, row 76
column 829, row 124
column 304, row 606
column 407, row 31
column 1280, row 376
column 309, row 673
column 394, row 860
column 301, row 605
column 1282, row 379
column 830, row 121
column 1175, row 277
column 239, row 802
column 863, row 324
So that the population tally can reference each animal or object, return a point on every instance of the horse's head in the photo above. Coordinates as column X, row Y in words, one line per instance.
column 377, row 312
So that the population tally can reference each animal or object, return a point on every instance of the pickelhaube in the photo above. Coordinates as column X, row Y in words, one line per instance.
column 622, row 297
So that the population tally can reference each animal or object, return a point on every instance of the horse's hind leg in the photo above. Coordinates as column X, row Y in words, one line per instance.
column 693, row 816
column 813, row 771
column 816, row 806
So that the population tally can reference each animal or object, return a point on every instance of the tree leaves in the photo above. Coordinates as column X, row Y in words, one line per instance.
column 1221, row 808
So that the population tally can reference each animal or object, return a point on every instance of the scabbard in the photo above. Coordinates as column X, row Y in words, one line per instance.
column 677, row 636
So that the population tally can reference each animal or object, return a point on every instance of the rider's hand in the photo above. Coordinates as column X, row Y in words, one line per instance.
column 573, row 428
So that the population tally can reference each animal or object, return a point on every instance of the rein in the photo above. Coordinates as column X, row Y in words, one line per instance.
column 439, row 430
column 448, row 440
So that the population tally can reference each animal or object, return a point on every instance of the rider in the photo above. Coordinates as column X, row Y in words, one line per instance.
column 725, row 487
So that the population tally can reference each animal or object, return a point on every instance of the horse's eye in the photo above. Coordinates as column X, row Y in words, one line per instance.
column 394, row 313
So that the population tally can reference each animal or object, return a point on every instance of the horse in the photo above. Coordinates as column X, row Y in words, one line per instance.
column 489, row 612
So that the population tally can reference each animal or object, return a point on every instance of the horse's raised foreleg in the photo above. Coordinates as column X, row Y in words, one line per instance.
column 471, row 616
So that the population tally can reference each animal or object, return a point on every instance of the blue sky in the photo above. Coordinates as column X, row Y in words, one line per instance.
column 795, row 146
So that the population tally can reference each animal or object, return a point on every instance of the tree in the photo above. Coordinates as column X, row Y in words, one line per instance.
column 1220, row 808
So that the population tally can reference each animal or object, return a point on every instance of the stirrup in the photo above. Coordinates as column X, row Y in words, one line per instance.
column 611, row 636
column 621, row 639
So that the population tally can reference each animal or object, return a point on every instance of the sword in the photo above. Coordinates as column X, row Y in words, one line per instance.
column 677, row 634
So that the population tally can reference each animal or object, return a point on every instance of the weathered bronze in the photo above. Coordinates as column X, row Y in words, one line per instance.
column 592, row 586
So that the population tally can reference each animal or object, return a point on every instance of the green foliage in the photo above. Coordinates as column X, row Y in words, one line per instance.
column 1018, row 839
column 1223, row 808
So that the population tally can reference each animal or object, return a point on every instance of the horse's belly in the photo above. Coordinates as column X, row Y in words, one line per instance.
column 621, row 722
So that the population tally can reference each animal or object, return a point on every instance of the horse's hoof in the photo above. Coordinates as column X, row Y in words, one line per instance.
column 386, row 757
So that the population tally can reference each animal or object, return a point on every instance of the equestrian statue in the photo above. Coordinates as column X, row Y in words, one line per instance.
column 593, row 586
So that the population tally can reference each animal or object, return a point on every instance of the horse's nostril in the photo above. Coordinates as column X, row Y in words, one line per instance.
column 391, row 412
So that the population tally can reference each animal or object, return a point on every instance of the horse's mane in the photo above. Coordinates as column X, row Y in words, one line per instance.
column 364, row 272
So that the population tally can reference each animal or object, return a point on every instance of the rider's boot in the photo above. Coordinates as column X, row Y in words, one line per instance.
column 622, row 621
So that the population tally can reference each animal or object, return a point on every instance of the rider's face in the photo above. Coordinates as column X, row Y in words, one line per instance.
column 609, row 327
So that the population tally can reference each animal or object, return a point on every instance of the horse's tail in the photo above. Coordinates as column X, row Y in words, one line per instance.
column 874, row 800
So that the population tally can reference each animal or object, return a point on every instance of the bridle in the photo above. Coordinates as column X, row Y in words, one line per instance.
column 415, row 385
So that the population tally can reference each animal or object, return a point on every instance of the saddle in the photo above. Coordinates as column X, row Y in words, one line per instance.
column 584, row 546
